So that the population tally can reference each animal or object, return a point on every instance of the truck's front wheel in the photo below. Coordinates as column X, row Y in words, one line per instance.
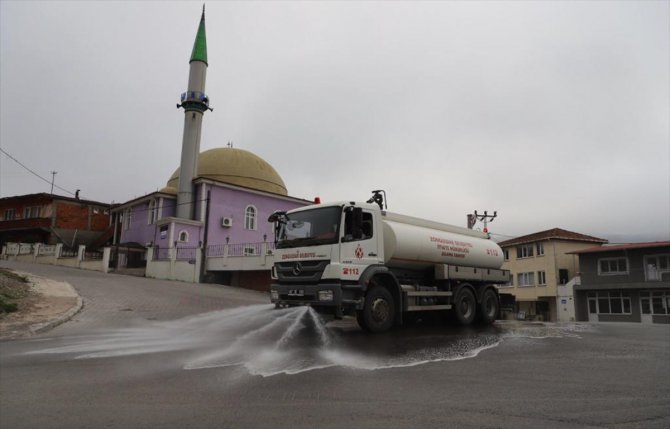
column 378, row 312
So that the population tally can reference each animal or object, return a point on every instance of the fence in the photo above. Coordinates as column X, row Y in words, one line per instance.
column 216, row 250
column 26, row 249
column 186, row 253
column 38, row 253
column 241, row 249
column 161, row 253
column 174, row 263
column 47, row 250
column 92, row 256
column 69, row 252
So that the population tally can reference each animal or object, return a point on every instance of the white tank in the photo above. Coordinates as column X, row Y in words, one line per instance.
column 416, row 243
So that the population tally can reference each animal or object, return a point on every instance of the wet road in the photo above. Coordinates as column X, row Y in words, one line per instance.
column 147, row 353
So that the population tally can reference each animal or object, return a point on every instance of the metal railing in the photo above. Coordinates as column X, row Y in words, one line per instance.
column 26, row 249
column 47, row 250
column 216, row 250
column 93, row 256
column 239, row 249
column 186, row 253
column 161, row 253
column 69, row 252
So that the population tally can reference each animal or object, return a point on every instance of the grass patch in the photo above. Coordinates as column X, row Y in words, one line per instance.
column 13, row 288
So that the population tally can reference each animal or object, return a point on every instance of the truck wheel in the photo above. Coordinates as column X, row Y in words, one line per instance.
column 378, row 312
column 489, row 307
column 465, row 306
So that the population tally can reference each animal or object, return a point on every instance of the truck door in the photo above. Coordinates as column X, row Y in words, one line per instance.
column 358, row 242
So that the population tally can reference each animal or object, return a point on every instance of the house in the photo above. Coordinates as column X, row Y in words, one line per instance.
column 624, row 283
column 52, row 219
column 540, row 263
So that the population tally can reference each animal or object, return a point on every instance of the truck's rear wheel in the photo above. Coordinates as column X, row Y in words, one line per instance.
column 465, row 306
column 378, row 312
column 489, row 307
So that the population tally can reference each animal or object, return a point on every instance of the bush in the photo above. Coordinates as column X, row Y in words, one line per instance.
column 7, row 307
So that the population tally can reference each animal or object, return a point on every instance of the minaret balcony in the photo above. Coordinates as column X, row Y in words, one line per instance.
column 194, row 100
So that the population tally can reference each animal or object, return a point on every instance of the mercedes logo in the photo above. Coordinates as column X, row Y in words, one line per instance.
column 297, row 269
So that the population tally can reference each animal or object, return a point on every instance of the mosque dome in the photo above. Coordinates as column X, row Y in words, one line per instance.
column 236, row 167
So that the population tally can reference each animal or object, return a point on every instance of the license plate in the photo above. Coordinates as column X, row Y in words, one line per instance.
column 296, row 292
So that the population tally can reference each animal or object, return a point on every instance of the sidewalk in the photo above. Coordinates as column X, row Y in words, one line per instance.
column 49, row 304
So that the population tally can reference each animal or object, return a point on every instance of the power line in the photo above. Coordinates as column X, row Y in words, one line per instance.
column 34, row 173
column 136, row 210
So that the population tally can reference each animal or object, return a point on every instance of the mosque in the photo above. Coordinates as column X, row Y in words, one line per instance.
column 209, row 223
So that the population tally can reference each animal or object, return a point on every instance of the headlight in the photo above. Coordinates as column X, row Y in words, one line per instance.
column 274, row 295
column 325, row 295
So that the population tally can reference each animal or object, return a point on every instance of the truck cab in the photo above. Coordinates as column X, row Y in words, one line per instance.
column 321, row 253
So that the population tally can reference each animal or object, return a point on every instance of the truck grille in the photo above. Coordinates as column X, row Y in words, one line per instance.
column 301, row 271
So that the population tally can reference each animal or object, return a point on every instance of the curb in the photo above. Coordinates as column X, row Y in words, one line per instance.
column 55, row 320
column 45, row 326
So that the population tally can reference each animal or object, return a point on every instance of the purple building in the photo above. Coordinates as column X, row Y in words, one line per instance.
column 236, row 191
column 209, row 223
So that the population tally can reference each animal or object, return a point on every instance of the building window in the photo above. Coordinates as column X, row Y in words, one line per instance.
column 183, row 237
column 612, row 266
column 615, row 302
column 250, row 218
column 540, row 249
column 506, row 253
column 525, row 279
column 31, row 212
column 656, row 267
column 525, row 251
column 249, row 251
column 153, row 212
column 9, row 214
column 127, row 218
column 541, row 278
column 655, row 302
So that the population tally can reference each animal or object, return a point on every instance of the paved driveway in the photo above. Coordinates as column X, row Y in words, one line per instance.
column 146, row 353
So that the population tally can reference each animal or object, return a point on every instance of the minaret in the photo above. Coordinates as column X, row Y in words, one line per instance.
column 195, row 102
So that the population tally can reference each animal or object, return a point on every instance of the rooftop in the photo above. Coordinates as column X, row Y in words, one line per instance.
column 552, row 234
column 44, row 197
column 624, row 246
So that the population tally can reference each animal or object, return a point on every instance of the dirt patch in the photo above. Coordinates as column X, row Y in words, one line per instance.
column 14, row 291
column 40, row 304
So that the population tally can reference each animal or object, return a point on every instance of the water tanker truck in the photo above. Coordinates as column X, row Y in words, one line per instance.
column 350, row 258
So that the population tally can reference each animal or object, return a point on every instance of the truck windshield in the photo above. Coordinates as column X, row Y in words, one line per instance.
column 310, row 228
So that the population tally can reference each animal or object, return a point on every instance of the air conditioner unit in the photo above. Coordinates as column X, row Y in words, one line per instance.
column 226, row 222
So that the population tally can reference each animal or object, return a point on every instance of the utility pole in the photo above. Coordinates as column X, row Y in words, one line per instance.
column 53, row 177
column 486, row 218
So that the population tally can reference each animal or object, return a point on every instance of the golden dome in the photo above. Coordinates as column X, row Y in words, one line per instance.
column 169, row 190
column 236, row 167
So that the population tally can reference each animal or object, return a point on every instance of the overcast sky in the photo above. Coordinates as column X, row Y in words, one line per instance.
column 553, row 113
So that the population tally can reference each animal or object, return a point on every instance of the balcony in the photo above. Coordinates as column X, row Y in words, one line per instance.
column 18, row 224
column 194, row 99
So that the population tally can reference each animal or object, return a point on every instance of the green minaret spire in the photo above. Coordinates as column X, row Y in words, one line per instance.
column 200, row 46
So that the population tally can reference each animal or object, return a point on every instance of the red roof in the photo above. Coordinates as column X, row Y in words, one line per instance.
column 552, row 234
column 624, row 246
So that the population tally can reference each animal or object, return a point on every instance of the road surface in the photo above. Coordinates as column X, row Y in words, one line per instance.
column 147, row 353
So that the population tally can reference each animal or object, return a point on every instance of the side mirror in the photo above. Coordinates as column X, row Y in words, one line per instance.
column 277, row 216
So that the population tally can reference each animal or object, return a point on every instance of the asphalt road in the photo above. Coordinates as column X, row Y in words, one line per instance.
column 155, row 354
